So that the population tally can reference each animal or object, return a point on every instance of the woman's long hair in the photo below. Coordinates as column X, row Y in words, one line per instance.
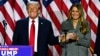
column 81, row 20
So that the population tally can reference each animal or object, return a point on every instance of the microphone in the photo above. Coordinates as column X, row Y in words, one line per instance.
column 4, row 23
column 65, row 31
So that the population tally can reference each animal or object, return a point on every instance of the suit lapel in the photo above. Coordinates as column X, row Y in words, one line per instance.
column 40, row 26
column 70, row 25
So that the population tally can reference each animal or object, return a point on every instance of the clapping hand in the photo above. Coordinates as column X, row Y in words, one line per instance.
column 72, row 36
column 62, row 38
column 66, row 37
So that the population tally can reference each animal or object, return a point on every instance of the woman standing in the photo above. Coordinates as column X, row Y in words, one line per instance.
column 77, row 39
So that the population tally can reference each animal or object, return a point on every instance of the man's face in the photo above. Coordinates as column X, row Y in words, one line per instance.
column 33, row 10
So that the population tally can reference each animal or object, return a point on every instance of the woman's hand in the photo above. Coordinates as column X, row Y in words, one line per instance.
column 72, row 36
column 63, row 38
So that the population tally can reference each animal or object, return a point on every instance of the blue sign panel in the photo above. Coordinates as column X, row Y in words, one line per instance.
column 16, row 51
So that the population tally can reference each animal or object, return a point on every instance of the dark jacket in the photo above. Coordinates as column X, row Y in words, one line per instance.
column 45, row 35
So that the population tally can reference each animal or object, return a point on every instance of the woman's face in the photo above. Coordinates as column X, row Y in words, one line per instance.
column 75, row 13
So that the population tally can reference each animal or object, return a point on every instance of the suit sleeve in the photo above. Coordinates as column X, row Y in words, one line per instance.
column 52, row 39
column 84, row 40
column 16, row 35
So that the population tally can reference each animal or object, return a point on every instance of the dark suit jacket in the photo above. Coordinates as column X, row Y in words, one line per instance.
column 45, row 35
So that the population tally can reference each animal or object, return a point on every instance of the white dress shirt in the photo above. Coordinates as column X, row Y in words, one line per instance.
column 36, row 31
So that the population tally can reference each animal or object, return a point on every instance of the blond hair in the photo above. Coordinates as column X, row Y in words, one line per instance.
column 33, row 2
column 84, row 26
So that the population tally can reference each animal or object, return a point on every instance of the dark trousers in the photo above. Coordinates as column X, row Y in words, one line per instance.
column 35, row 54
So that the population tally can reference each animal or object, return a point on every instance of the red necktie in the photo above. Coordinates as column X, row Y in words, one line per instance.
column 32, row 35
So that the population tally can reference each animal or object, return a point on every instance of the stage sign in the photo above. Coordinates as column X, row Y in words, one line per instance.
column 16, row 51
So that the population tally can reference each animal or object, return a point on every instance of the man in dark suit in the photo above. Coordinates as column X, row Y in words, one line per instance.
column 43, row 31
